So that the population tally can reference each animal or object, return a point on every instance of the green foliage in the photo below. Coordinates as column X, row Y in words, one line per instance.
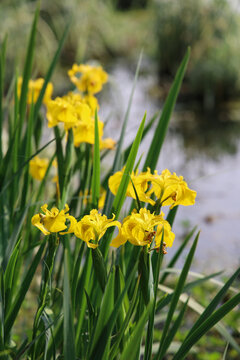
column 89, row 303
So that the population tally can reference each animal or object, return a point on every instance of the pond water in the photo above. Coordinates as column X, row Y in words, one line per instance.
column 204, row 149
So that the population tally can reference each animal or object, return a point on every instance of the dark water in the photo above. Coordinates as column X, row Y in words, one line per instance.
column 205, row 149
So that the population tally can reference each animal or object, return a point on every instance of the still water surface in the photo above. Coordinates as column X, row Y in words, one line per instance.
column 202, row 148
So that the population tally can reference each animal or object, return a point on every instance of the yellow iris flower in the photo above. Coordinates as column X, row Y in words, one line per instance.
column 38, row 167
column 138, row 229
column 75, row 99
column 172, row 189
column 91, row 80
column 53, row 221
column 34, row 88
column 168, row 188
column 140, row 181
column 91, row 228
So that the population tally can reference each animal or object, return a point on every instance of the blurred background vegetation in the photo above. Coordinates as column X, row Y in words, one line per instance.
column 109, row 29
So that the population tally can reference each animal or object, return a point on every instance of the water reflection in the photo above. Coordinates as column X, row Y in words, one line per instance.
column 213, row 134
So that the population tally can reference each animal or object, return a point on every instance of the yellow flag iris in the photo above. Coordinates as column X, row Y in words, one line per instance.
column 139, row 229
column 53, row 221
column 91, row 228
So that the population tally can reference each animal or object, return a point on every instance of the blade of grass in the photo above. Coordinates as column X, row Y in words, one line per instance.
column 117, row 159
column 225, row 352
column 2, row 305
column 99, row 348
column 177, row 254
column 2, row 71
column 27, row 146
column 99, row 267
column 21, row 167
column 132, row 347
column 176, row 325
column 96, row 167
column 121, row 193
column 13, row 312
column 199, row 309
column 205, row 326
column 175, row 298
column 66, row 169
column 50, row 70
column 145, row 132
column 28, row 69
column 14, row 237
column 106, row 308
column 68, row 328
column 115, row 348
column 214, row 303
column 159, row 136
column 9, row 276
column 149, row 336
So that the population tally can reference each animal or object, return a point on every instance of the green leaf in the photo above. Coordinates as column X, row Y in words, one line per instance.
column 175, row 327
column 66, row 169
column 13, row 312
column 96, row 167
column 160, row 132
column 171, row 215
column 214, row 303
column 2, row 313
column 225, row 352
column 27, row 147
column 117, row 159
column 199, row 309
column 83, row 283
column 205, row 326
column 115, row 348
column 99, row 267
column 149, row 335
column 14, row 237
column 91, row 314
column 60, row 158
column 21, row 167
column 177, row 254
column 68, row 328
column 2, row 71
column 50, row 71
column 99, row 348
column 175, row 298
column 106, row 309
column 9, row 275
column 121, row 193
column 144, row 269
column 132, row 347
column 28, row 69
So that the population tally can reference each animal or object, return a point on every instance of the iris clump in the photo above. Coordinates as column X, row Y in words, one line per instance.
column 95, row 282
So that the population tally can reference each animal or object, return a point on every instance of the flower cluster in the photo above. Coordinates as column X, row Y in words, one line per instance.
column 168, row 189
column 75, row 110
column 140, row 228
column 91, row 79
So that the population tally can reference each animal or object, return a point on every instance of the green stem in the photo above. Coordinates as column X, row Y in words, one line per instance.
column 45, row 287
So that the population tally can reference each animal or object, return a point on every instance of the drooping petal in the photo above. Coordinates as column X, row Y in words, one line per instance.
column 37, row 221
